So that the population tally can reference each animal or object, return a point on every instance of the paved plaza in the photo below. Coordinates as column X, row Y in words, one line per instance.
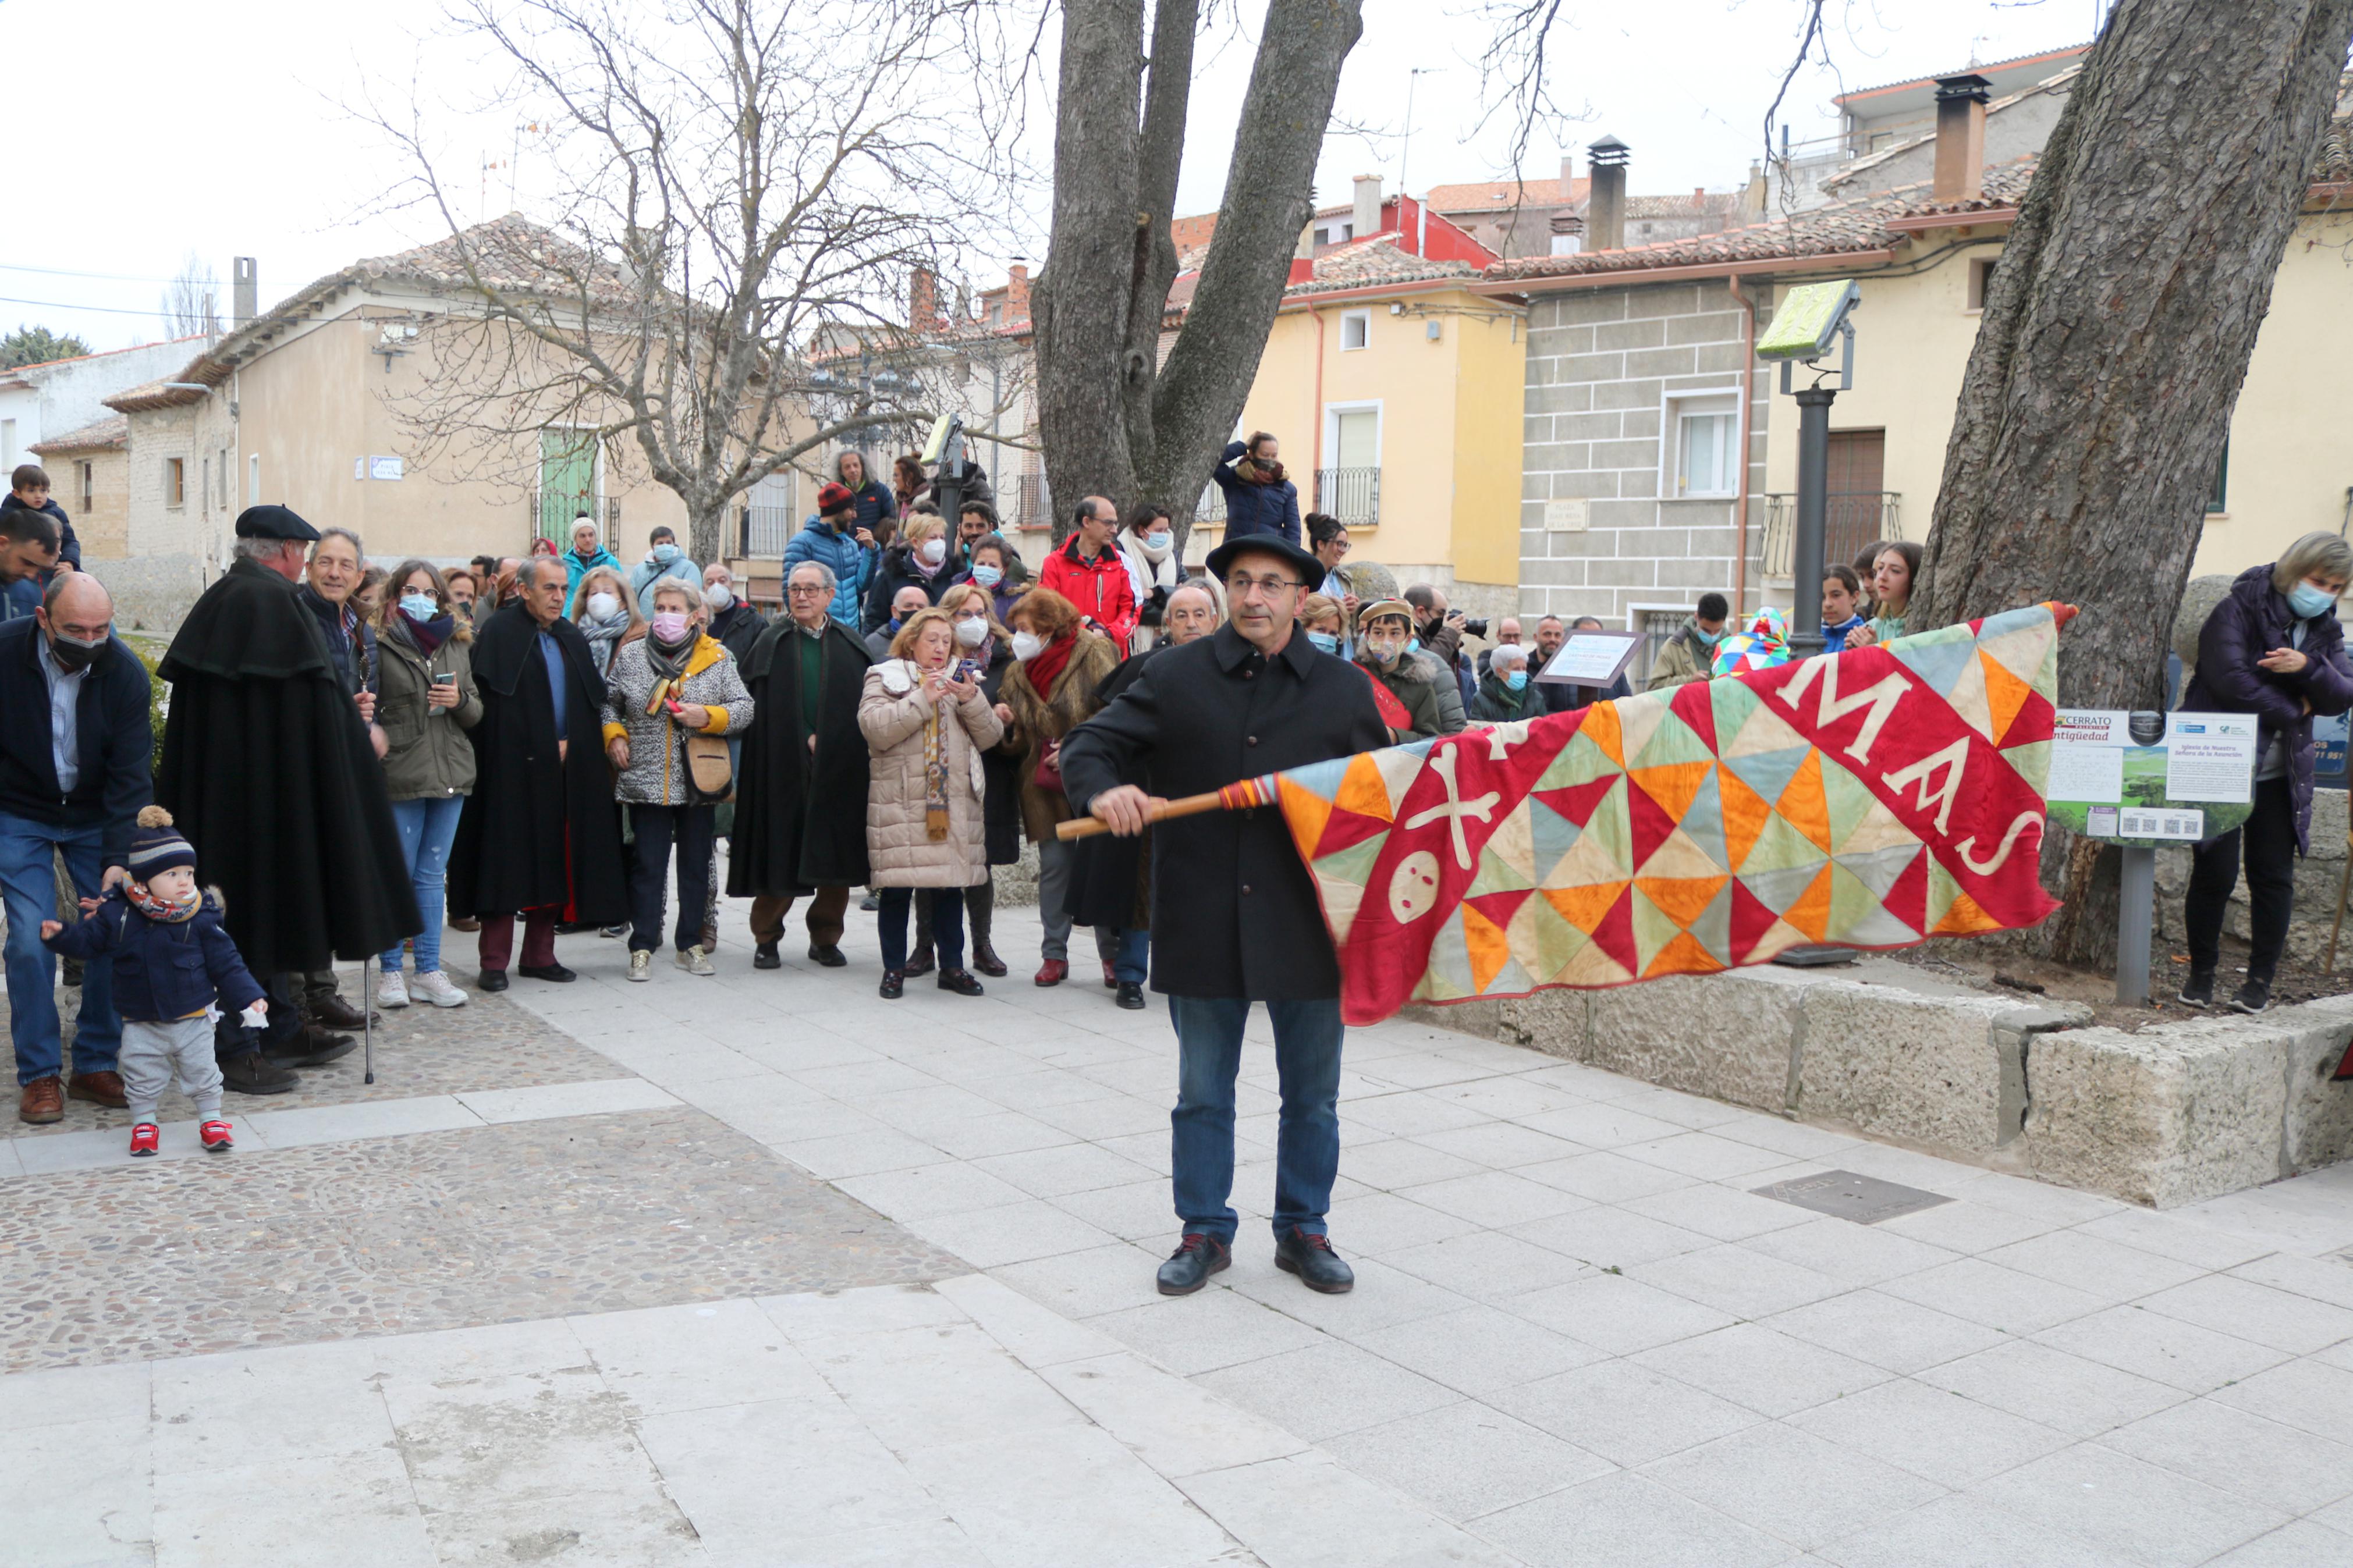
column 762, row 1271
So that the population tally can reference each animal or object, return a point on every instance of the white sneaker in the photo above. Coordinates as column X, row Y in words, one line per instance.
column 391, row 990
column 434, row 986
column 694, row 961
column 641, row 964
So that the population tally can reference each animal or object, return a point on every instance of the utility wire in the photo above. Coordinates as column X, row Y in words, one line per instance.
column 60, row 305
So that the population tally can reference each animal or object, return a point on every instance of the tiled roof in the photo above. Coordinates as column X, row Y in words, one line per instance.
column 1369, row 263
column 1846, row 227
column 114, row 431
column 1978, row 69
column 511, row 254
column 1703, row 204
column 1869, row 161
column 1192, row 233
column 1489, row 195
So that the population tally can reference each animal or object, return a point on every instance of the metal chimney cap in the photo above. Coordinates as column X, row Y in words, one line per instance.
column 1608, row 152
column 1968, row 86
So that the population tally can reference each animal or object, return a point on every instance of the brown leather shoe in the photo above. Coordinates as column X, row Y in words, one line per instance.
column 41, row 1102
column 335, row 1012
column 99, row 1089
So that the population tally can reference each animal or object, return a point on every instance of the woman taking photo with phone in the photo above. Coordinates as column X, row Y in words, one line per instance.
column 926, row 721
column 425, row 703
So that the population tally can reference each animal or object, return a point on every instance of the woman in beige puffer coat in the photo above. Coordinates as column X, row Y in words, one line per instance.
column 926, row 722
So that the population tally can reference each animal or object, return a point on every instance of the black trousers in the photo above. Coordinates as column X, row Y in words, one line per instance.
column 656, row 828
column 2268, row 844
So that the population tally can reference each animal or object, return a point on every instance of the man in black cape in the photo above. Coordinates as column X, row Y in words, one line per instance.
column 541, row 834
column 800, row 802
column 269, row 771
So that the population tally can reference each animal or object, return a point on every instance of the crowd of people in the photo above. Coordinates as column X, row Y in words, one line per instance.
column 566, row 742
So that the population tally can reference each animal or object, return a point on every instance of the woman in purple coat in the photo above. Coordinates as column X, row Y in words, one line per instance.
column 2272, row 649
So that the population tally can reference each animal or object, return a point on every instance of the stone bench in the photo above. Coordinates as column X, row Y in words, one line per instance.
column 2167, row 1116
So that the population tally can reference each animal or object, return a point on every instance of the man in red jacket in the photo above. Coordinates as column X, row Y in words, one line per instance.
column 1089, row 574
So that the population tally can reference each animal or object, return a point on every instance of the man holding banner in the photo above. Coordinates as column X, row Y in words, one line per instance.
column 1235, row 917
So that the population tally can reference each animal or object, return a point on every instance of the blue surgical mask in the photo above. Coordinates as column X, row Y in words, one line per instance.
column 420, row 606
column 1413, row 644
column 2308, row 601
column 1516, row 679
column 1711, row 639
column 665, row 553
column 1324, row 642
column 987, row 576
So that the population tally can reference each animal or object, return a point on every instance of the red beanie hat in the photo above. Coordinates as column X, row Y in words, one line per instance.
column 834, row 498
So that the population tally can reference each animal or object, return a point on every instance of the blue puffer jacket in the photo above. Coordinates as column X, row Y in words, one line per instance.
column 163, row 969
column 1254, row 508
column 851, row 565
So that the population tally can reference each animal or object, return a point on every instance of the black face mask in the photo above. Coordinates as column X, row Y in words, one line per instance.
column 72, row 654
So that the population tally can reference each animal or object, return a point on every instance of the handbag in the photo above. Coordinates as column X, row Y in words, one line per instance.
column 1049, row 773
column 709, row 769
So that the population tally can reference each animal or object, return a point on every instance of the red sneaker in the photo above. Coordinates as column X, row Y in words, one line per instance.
column 144, row 1138
column 216, row 1136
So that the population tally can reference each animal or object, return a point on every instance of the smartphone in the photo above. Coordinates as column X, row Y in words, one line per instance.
column 968, row 668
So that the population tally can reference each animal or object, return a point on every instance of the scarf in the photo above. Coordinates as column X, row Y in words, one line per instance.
column 1047, row 667
column 915, row 560
column 935, row 762
column 425, row 636
column 1251, row 471
column 162, row 909
column 670, row 664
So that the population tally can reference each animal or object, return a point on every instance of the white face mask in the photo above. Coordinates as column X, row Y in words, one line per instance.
column 603, row 604
column 972, row 632
column 1028, row 645
column 719, row 595
column 932, row 550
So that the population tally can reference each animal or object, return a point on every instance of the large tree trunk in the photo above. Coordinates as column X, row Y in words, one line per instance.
column 1113, row 422
column 2115, row 335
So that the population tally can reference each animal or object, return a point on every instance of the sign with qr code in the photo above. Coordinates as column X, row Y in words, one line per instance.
column 2177, row 825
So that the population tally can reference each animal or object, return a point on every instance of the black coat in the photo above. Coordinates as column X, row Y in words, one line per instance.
column 538, row 832
column 800, row 817
column 268, row 770
column 2253, row 619
column 738, row 627
column 1234, row 913
column 895, row 571
column 110, row 732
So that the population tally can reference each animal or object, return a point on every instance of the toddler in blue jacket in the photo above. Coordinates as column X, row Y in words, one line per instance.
column 171, row 959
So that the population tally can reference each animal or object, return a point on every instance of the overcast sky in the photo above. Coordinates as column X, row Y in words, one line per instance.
column 229, row 140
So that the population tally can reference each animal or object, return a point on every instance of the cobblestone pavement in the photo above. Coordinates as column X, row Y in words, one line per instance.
column 1577, row 1338
column 490, row 1042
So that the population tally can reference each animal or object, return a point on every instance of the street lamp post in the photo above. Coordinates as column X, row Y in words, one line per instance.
column 1810, row 320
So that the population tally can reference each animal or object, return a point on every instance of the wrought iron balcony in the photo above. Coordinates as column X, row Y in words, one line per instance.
column 1852, row 519
column 762, row 531
column 1351, row 495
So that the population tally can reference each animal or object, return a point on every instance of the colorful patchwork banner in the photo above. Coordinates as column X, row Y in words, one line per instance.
column 1870, row 799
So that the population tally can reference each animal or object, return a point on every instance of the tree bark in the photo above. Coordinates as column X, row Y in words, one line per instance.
column 1113, row 422
column 2116, row 332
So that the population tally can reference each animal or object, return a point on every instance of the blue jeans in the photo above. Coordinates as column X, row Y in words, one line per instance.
column 29, row 883
column 428, row 828
column 1307, row 1144
column 1133, row 961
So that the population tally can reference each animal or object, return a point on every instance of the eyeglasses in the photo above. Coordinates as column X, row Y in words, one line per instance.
column 1243, row 587
column 806, row 588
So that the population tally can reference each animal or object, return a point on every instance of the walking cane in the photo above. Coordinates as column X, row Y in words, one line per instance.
column 367, row 1020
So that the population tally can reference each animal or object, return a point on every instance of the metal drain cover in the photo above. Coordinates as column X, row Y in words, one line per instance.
column 1866, row 1200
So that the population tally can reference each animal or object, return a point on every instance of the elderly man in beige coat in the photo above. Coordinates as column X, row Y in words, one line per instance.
column 927, row 722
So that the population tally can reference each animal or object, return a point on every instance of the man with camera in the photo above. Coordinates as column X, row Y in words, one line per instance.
column 1441, row 631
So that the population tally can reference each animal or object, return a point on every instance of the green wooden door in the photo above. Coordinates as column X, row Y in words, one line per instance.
column 567, row 483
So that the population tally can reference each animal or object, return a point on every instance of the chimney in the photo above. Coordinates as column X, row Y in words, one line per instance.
column 1960, row 138
column 245, row 290
column 1752, row 199
column 923, row 301
column 1605, row 212
column 1567, row 176
column 1016, row 292
column 1368, row 217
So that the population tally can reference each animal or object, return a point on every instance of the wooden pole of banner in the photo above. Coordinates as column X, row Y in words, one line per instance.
column 1186, row 805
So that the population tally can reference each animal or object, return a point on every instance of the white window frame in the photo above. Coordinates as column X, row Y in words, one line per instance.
column 1332, row 412
column 1674, row 408
column 253, row 479
column 1364, row 318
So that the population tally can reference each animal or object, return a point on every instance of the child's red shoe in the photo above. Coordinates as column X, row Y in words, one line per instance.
column 144, row 1138
column 216, row 1136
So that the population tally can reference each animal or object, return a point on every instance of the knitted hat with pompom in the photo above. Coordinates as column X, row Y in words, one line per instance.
column 157, row 846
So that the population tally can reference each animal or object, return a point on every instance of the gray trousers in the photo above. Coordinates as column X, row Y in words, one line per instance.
column 151, row 1052
column 1056, row 860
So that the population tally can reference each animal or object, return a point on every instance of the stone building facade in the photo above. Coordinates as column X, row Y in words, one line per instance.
column 1642, row 404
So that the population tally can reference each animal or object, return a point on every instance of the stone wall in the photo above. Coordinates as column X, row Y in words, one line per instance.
column 2318, row 879
column 1608, row 369
column 2164, row 1117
